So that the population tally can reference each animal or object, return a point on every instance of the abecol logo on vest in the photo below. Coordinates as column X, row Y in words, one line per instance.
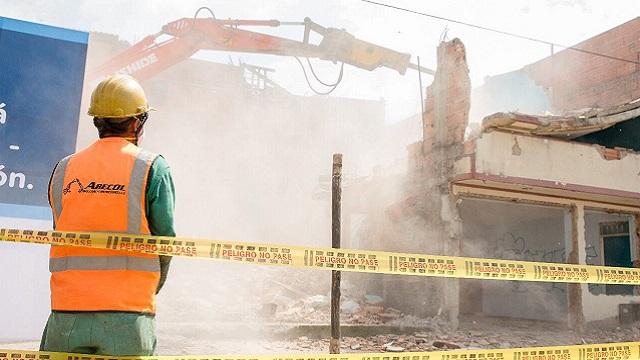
column 95, row 187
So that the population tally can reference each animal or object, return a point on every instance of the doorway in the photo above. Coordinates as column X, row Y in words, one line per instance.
column 617, row 252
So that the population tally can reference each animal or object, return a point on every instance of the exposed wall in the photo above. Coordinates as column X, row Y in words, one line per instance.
column 503, row 230
column 561, row 162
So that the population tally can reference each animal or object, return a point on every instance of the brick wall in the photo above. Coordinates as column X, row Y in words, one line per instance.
column 448, row 98
column 576, row 80
column 425, row 220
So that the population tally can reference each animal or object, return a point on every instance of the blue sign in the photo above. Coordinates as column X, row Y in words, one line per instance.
column 41, row 75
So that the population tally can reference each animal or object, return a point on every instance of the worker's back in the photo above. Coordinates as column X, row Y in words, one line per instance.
column 102, row 188
column 103, row 300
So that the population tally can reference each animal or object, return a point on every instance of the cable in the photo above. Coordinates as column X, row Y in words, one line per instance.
column 195, row 16
column 322, row 82
column 420, row 84
column 306, row 77
column 502, row 32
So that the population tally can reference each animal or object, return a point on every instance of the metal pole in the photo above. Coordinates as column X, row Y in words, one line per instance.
column 336, row 198
column 420, row 82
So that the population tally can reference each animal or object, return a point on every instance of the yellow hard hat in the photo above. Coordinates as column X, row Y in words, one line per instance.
column 119, row 96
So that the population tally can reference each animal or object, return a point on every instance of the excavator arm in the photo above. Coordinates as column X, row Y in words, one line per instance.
column 182, row 38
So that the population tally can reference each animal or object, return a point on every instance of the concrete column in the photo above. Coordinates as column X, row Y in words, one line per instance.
column 451, row 290
column 576, row 254
column 634, row 232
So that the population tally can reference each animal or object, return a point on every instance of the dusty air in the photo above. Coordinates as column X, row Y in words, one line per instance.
column 320, row 180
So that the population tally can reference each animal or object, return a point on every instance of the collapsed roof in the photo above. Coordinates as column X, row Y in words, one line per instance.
column 570, row 125
column 614, row 127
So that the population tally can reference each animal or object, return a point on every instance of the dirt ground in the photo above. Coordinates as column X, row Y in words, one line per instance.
column 474, row 333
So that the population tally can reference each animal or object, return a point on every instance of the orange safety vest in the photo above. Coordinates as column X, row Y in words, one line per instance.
column 102, row 188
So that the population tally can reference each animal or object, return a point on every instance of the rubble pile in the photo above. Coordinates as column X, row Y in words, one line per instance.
column 379, row 343
column 366, row 310
column 488, row 334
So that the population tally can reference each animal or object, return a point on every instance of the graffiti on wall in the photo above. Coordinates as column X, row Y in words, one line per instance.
column 513, row 247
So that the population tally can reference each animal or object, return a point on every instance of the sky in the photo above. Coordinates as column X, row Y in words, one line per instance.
column 560, row 21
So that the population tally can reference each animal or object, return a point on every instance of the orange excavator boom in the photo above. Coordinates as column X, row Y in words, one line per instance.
column 186, row 36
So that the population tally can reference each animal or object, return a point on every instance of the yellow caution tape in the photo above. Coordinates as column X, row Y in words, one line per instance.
column 611, row 351
column 335, row 259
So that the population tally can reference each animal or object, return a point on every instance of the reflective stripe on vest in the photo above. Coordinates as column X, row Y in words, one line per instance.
column 103, row 263
column 137, row 187
column 102, row 188
column 57, row 183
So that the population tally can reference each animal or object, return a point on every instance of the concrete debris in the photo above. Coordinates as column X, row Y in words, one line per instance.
column 392, row 348
column 386, row 317
column 370, row 309
column 373, row 299
column 492, row 334
column 440, row 344
column 318, row 301
column 349, row 307
column 315, row 310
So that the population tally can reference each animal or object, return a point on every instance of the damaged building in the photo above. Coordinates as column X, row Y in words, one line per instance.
column 524, row 185
column 539, row 188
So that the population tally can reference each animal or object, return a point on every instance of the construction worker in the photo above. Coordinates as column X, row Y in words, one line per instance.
column 103, row 301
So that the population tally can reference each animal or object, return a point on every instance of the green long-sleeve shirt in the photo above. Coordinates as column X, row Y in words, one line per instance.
column 160, row 207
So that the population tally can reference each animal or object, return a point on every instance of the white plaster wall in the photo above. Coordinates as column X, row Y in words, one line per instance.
column 462, row 165
column 522, row 232
column 24, row 282
column 597, row 305
column 554, row 160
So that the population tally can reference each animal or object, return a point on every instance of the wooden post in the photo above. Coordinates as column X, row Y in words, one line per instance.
column 336, row 196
